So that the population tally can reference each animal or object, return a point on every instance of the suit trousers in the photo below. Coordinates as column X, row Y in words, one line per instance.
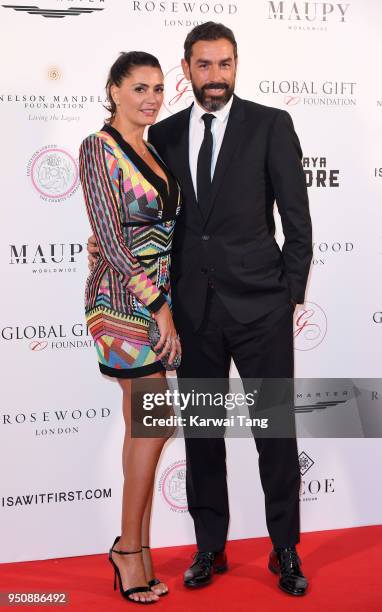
column 260, row 349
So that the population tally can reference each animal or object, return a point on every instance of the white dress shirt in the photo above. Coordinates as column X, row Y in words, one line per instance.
column 196, row 135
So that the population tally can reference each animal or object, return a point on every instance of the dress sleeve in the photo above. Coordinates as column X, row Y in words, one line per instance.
column 101, row 195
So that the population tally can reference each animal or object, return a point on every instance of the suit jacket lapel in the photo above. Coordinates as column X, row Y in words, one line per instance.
column 180, row 159
column 234, row 133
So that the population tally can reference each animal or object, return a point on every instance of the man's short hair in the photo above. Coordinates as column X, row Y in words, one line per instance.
column 208, row 31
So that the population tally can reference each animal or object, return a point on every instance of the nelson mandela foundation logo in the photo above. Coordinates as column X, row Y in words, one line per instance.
column 308, row 16
column 53, row 172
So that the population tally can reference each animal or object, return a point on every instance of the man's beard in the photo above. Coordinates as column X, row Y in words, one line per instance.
column 213, row 103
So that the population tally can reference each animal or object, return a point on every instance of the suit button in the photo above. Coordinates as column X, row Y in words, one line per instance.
column 212, row 270
column 205, row 237
column 204, row 270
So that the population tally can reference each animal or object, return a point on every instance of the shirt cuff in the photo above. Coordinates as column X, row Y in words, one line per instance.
column 157, row 303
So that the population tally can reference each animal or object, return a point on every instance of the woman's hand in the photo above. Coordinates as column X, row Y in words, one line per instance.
column 93, row 252
column 169, row 341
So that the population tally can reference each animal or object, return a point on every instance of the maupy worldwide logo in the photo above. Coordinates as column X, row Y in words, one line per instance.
column 54, row 173
column 314, row 16
column 62, row 8
column 172, row 486
column 178, row 90
column 40, row 336
column 310, row 326
column 310, row 93
column 43, row 258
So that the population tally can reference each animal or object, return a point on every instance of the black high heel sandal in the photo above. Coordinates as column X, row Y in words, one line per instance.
column 139, row 589
column 155, row 581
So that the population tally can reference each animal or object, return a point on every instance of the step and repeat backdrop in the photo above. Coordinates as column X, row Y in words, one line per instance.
column 61, row 426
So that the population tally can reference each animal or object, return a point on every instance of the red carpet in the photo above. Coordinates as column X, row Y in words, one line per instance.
column 343, row 566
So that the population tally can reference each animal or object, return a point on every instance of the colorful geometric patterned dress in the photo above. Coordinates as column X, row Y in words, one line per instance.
column 132, row 213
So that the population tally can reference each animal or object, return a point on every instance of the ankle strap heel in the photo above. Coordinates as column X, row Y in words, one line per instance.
column 117, row 576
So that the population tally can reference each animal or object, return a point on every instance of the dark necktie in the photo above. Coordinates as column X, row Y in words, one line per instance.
column 203, row 171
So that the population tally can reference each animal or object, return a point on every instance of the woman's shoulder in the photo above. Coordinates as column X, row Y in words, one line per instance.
column 100, row 140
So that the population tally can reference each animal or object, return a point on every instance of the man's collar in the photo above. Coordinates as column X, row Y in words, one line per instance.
column 221, row 114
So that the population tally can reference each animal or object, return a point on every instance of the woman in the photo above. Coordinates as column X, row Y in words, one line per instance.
column 132, row 201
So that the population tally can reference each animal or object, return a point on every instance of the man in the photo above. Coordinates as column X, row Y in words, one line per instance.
column 233, row 290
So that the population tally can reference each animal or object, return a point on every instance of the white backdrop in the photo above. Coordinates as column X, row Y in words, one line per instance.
column 60, row 421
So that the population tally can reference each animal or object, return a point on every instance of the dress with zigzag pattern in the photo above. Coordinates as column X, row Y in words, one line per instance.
column 132, row 213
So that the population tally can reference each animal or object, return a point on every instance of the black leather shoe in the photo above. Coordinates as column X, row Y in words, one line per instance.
column 204, row 565
column 286, row 563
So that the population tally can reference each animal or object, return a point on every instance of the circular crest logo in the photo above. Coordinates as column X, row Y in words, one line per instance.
column 178, row 90
column 310, row 326
column 172, row 486
column 54, row 173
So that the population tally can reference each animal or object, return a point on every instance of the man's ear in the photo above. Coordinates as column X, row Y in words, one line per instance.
column 186, row 70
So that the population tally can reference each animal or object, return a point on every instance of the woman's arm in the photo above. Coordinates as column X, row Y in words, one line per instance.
column 100, row 187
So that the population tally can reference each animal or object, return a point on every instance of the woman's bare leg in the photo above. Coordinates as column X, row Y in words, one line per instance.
column 140, row 458
column 160, row 588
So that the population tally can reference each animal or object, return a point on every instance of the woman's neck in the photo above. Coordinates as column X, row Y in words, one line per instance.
column 133, row 134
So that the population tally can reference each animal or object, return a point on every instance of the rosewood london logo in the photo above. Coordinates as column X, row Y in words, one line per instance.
column 185, row 14
column 54, row 173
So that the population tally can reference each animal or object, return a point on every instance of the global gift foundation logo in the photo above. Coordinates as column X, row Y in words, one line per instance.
column 310, row 326
column 311, row 93
column 178, row 90
column 172, row 486
column 54, row 173
column 38, row 337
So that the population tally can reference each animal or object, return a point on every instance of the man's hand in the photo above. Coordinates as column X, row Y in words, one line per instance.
column 93, row 252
